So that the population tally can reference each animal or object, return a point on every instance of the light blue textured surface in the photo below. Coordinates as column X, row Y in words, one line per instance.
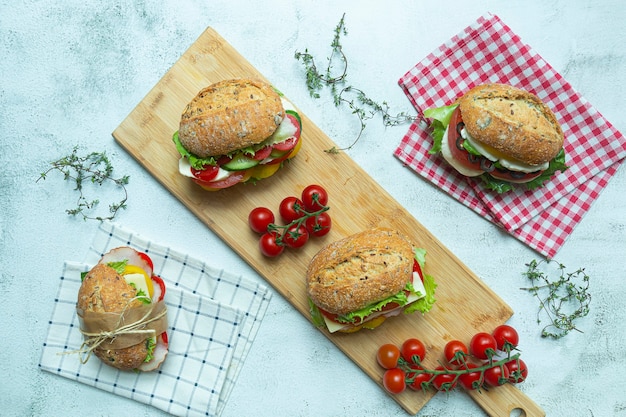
column 71, row 71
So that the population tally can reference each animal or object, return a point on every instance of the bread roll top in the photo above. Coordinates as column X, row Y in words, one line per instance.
column 105, row 291
column 361, row 269
column 230, row 115
column 512, row 121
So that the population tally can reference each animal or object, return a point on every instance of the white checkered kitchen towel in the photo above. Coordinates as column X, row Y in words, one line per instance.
column 213, row 318
column 489, row 51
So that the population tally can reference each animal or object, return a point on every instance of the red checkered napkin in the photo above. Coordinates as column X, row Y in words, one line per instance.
column 489, row 51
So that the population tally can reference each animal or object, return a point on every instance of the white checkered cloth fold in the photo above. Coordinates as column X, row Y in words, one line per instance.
column 213, row 318
column 489, row 51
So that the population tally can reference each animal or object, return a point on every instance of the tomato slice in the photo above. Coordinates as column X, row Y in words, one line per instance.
column 280, row 156
column 207, row 173
column 455, row 143
column 514, row 176
column 290, row 142
column 262, row 153
column 235, row 178
column 286, row 145
column 418, row 269
column 224, row 159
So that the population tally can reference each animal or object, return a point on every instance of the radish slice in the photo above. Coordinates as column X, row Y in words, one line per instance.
column 126, row 253
column 142, row 261
column 159, row 354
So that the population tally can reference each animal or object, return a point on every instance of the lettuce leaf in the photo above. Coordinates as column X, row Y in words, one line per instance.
column 441, row 119
column 150, row 345
column 194, row 160
column 358, row 315
column 424, row 304
column 316, row 315
column 119, row 266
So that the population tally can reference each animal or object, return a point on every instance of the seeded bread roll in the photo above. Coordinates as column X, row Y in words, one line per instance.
column 230, row 115
column 513, row 121
column 356, row 271
column 104, row 290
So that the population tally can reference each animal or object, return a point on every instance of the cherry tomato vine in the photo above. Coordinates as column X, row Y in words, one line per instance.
column 488, row 361
column 302, row 217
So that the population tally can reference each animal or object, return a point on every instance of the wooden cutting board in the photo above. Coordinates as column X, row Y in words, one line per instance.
column 464, row 305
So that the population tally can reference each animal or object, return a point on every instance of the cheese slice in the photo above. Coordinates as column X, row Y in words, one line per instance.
column 139, row 282
column 495, row 155
column 333, row 326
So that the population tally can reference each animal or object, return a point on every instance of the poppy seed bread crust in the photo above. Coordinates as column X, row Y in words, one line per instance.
column 512, row 121
column 230, row 115
column 361, row 269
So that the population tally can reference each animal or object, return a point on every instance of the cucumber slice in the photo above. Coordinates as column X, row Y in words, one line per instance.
column 239, row 163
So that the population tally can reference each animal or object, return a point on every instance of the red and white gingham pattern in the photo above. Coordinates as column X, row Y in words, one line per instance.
column 488, row 51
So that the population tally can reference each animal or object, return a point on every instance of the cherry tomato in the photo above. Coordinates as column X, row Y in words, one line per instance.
column 506, row 337
column 290, row 209
column 421, row 382
column 496, row 375
column 207, row 173
column 318, row 225
column 518, row 371
column 471, row 380
column 394, row 380
column 259, row 218
column 296, row 236
column 314, row 197
column 455, row 352
column 483, row 345
column 413, row 350
column 268, row 245
column 387, row 356
column 444, row 382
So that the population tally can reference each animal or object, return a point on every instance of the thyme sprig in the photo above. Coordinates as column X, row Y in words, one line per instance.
column 95, row 168
column 563, row 300
column 359, row 103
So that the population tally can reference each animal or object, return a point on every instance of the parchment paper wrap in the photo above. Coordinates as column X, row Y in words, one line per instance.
column 123, row 329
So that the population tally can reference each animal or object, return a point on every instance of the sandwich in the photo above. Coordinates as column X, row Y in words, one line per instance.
column 122, row 313
column 361, row 280
column 236, row 131
column 500, row 134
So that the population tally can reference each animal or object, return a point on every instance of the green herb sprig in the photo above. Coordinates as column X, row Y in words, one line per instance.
column 95, row 168
column 359, row 103
column 562, row 300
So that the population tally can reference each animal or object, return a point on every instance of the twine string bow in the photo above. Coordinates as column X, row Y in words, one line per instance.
column 94, row 339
